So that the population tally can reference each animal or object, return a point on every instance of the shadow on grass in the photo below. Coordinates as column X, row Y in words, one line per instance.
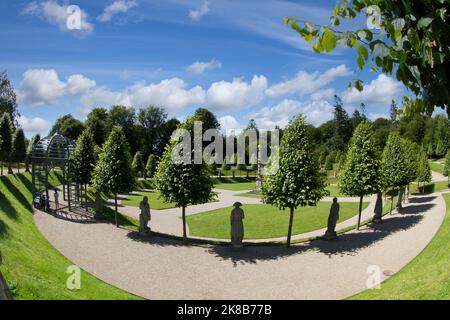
column 26, row 203
column 3, row 229
column 6, row 207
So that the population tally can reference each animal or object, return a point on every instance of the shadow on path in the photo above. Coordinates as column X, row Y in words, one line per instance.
column 154, row 240
column 347, row 244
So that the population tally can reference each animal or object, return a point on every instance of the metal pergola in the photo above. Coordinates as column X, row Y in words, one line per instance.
column 48, row 154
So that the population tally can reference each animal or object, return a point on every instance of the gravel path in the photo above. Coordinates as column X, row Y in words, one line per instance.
column 157, row 268
column 168, row 221
column 436, row 177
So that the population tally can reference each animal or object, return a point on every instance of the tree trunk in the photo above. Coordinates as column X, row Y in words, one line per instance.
column 360, row 211
column 10, row 170
column 18, row 167
column 399, row 200
column 27, row 166
column 291, row 221
column 392, row 203
column 1, row 172
column 117, row 210
column 183, row 209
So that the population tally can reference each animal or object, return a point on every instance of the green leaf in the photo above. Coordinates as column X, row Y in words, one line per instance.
column 424, row 22
column 329, row 40
column 359, row 85
column 363, row 55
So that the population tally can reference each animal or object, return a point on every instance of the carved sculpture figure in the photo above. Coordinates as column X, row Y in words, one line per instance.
column 378, row 208
column 237, row 226
column 332, row 221
column 144, row 217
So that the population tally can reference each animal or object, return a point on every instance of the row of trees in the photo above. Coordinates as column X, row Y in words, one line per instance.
column 13, row 145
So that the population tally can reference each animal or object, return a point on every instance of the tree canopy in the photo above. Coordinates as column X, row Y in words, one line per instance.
column 8, row 99
column 406, row 39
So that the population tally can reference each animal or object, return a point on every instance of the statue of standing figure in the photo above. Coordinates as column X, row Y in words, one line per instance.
column 144, row 217
column 378, row 208
column 237, row 226
column 333, row 218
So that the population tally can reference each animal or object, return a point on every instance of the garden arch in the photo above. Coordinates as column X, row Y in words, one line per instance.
column 48, row 154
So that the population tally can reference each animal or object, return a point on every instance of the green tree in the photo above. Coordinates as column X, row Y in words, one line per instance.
column 360, row 175
column 138, row 164
column 394, row 165
column 413, row 44
column 152, row 119
column 183, row 183
column 96, row 123
column 126, row 118
column 150, row 168
column 113, row 172
column 447, row 166
column 6, row 137
column 82, row 160
column 8, row 99
column 423, row 169
column 69, row 127
column 342, row 126
column 442, row 135
column 328, row 163
column 297, row 182
column 19, row 149
column 35, row 139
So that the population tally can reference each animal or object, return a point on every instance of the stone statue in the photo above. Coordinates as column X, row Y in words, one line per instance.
column 144, row 217
column 237, row 226
column 378, row 208
column 332, row 221
column 98, row 206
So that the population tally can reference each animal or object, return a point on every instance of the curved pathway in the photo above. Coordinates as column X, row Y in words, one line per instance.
column 168, row 221
column 157, row 268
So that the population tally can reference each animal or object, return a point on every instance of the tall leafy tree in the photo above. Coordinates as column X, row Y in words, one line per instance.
column 413, row 44
column 150, row 168
column 166, row 133
column 35, row 139
column 183, row 183
column 96, row 123
column 69, row 127
column 447, row 166
column 113, row 172
column 138, row 164
column 152, row 119
column 83, row 160
column 19, row 148
column 8, row 99
column 6, row 140
column 423, row 169
column 360, row 175
column 126, row 118
column 394, row 165
column 394, row 113
column 342, row 126
column 297, row 182
column 442, row 135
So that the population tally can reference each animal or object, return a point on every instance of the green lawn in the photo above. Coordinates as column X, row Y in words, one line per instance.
column 234, row 184
column 436, row 167
column 265, row 221
column 334, row 192
column 31, row 266
column 427, row 277
column 430, row 187
column 155, row 201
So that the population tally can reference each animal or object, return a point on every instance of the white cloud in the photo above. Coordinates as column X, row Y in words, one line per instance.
column 58, row 15
column 43, row 86
column 118, row 6
column 323, row 94
column 380, row 91
column 316, row 112
column 172, row 94
column 201, row 67
column 305, row 83
column 237, row 94
column 198, row 14
column 78, row 84
column 229, row 123
column 34, row 125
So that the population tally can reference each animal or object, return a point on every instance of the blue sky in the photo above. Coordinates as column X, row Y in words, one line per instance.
column 237, row 58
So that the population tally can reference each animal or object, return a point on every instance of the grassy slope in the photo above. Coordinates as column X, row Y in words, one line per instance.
column 426, row 277
column 436, row 167
column 32, row 267
column 264, row 221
